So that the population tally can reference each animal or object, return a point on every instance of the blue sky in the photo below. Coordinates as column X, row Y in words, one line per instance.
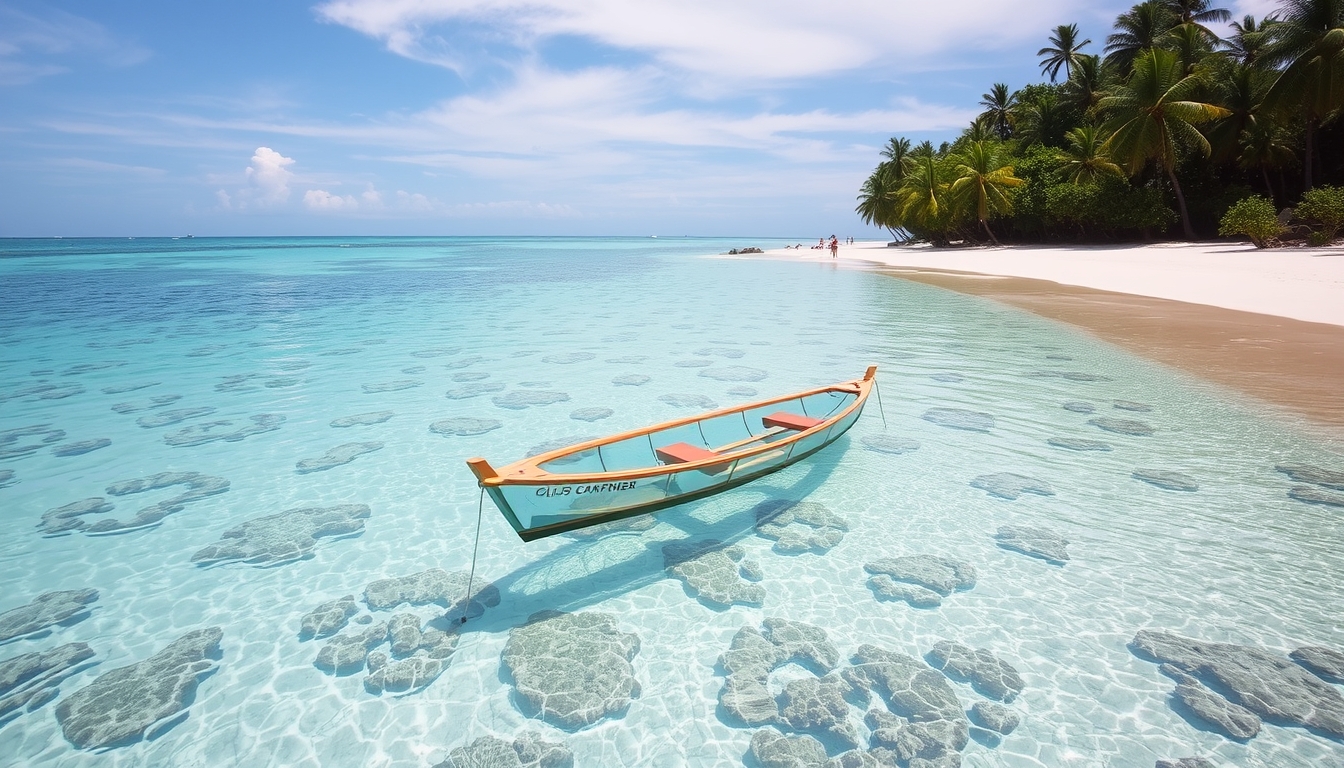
column 442, row 117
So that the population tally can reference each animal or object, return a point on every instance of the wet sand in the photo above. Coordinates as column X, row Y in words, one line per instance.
column 1293, row 364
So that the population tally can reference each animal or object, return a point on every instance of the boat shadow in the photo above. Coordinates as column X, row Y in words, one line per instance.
column 584, row 572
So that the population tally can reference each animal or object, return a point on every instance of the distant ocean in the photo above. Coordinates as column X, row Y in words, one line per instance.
column 239, row 449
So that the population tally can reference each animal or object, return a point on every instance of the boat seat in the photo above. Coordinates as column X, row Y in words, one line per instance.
column 683, row 453
column 790, row 421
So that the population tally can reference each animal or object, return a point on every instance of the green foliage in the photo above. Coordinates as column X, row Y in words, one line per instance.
column 1043, row 116
column 1168, row 124
column 1037, row 167
column 1154, row 114
column 999, row 105
column 925, row 205
column 1108, row 206
column 1253, row 217
column 1085, row 159
column 984, row 182
column 877, row 198
column 1324, row 206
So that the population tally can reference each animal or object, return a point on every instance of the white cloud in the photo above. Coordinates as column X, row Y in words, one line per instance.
column 413, row 201
column 270, row 176
column 322, row 200
column 1258, row 8
column 740, row 41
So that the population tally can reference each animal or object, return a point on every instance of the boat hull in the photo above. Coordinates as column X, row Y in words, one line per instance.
column 669, row 464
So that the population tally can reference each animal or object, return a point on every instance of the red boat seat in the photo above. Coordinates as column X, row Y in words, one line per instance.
column 789, row 421
column 682, row 453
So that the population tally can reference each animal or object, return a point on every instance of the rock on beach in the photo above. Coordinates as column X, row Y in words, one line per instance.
column 527, row 751
column 46, row 610
column 122, row 704
column 362, row 419
column 1036, row 542
column 958, row 418
column 338, row 456
column 1271, row 687
column 284, row 537
column 1132, row 427
column 943, row 575
column 718, row 575
column 32, row 679
column 991, row 676
column 572, row 669
column 464, row 426
column 1008, row 485
column 1167, row 479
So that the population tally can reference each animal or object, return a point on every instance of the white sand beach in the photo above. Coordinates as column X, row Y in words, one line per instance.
column 1266, row 323
column 1298, row 283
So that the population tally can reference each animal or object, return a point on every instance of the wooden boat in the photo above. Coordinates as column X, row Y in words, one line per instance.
column 670, row 463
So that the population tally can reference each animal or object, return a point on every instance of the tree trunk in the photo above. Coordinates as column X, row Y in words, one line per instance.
column 1306, row 156
column 992, row 238
column 1265, row 172
column 1180, row 203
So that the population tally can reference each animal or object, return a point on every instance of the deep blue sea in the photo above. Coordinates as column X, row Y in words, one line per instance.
column 229, row 433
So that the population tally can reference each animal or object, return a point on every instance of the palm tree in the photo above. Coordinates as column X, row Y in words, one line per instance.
column 978, row 130
column 984, row 176
column 999, row 105
column 1239, row 89
column 1140, row 28
column 1086, row 85
column 1309, row 40
column 1151, row 115
column 1064, row 52
column 1086, row 160
column 1196, row 12
column 1249, row 39
column 924, row 206
column 1042, row 120
column 896, row 151
column 1265, row 145
column 1191, row 43
column 922, row 150
column 878, row 204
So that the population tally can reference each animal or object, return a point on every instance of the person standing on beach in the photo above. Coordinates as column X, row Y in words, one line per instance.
column 835, row 246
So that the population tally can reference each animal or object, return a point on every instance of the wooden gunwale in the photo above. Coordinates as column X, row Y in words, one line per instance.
column 527, row 471
column 532, row 534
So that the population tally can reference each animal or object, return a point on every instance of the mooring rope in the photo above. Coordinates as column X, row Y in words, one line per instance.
column 878, row 390
column 480, row 506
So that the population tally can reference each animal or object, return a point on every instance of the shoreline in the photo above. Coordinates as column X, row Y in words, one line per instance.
column 1239, row 323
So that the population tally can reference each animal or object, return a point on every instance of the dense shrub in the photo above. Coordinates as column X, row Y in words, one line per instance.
column 1037, row 166
column 1324, row 206
column 1253, row 217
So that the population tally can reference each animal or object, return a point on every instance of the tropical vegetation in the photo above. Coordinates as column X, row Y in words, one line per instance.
column 1184, row 117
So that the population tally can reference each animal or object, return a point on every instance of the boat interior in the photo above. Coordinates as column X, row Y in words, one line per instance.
column 720, row 435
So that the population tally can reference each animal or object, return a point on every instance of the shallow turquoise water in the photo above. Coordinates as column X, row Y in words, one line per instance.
column 299, row 327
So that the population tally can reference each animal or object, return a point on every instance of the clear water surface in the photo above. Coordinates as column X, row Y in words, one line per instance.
column 315, row 330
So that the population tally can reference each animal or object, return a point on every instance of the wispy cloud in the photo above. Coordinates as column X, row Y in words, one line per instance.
column 41, row 44
column 86, row 164
column 737, row 42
